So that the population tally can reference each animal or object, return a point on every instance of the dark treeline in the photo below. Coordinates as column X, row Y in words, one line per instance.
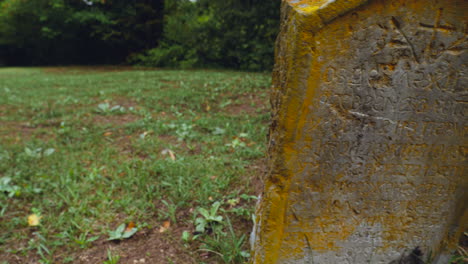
column 48, row 32
column 237, row 34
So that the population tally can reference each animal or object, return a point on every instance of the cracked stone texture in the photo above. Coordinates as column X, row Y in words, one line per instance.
column 368, row 147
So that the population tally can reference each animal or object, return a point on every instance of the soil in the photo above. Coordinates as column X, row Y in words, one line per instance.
column 145, row 247
column 21, row 131
column 258, row 172
column 247, row 103
column 114, row 120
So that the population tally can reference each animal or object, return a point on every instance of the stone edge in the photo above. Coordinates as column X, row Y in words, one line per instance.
column 316, row 16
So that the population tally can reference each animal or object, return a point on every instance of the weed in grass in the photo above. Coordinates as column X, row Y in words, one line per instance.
column 217, row 235
column 210, row 220
column 106, row 108
column 170, row 212
column 7, row 187
column 123, row 231
column 227, row 245
column 39, row 244
column 111, row 258
column 239, row 209
column 83, row 241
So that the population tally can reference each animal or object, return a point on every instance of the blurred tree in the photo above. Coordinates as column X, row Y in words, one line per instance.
column 77, row 31
column 237, row 34
column 246, row 32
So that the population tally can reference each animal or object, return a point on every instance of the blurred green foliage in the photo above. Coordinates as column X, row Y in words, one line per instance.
column 49, row 32
column 236, row 34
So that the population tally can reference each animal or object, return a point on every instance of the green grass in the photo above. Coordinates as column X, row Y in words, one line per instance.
column 90, row 150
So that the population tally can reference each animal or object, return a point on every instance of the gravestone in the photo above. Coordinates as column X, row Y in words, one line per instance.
column 368, row 147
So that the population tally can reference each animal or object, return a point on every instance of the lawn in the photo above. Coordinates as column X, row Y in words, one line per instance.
column 124, row 165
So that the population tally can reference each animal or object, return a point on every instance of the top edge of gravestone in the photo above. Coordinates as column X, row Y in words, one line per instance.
column 324, row 10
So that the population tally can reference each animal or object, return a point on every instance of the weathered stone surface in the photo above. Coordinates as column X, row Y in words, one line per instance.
column 368, row 141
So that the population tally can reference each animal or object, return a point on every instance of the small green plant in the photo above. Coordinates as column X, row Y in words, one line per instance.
column 111, row 258
column 183, row 131
column 8, row 188
column 217, row 234
column 106, row 108
column 228, row 246
column 210, row 219
column 241, row 209
column 83, row 241
column 186, row 237
column 238, row 142
column 4, row 156
column 39, row 244
column 171, row 210
column 122, row 232
column 38, row 152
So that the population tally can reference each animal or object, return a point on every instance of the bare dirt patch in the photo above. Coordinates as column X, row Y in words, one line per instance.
column 145, row 247
column 114, row 120
column 20, row 131
column 256, row 174
column 3, row 110
column 247, row 103
column 8, row 110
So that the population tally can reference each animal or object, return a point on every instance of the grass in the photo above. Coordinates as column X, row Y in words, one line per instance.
column 88, row 150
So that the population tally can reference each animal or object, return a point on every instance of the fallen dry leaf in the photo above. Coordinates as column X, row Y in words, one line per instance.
column 130, row 226
column 205, row 254
column 165, row 226
column 170, row 153
column 107, row 134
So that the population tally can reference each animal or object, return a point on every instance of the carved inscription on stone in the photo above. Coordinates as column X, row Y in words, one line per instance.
column 379, row 164
column 389, row 141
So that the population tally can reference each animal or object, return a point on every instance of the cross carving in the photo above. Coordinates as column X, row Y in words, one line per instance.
column 437, row 27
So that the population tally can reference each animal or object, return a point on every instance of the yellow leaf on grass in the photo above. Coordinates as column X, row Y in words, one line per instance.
column 34, row 220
